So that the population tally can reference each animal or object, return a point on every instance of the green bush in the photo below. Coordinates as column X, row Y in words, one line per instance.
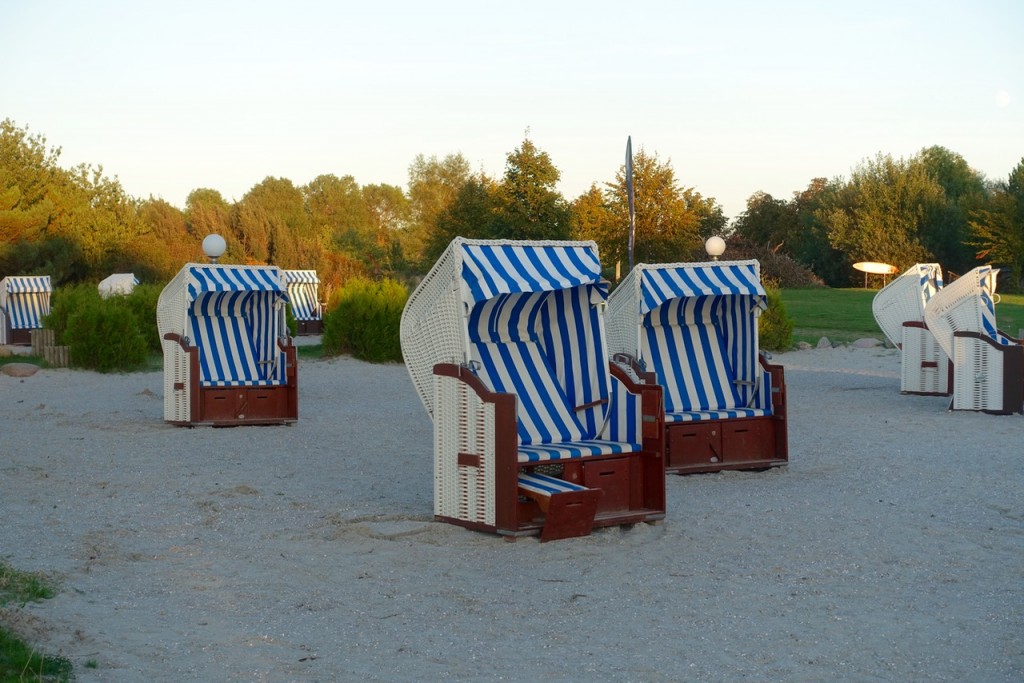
column 64, row 302
column 290, row 321
column 105, row 335
column 142, row 303
column 363, row 319
column 776, row 327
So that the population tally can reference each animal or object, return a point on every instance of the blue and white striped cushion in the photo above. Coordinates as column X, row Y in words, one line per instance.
column 571, row 330
column 27, row 309
column 691, row 361
column 579, row 449
column 696, row 416
column 520, row 368
column 303, row 299
column 230, row 329
column 566, row 327
column 544, row 485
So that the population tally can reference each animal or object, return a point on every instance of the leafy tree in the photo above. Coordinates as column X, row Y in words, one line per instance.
column 207, row 213
column 388, row 208
column 339, row 215
column 20, row 222
column 163, row 245
column 529, row 206
column 270, row 222
column 768, row 221
column 40, row 207
column 106, row 219
column 28, row 167
column 57, row 257
column 472, row 215
column 250, row 226
column 433, row 186
column 590, row 218
column 945, row 231
column 880, row 214
column 811, row 244
column 711, row 219
column 668, row 219
column 997, row 232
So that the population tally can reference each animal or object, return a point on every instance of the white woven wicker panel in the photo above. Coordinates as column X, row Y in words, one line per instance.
column 463, row 424
column 919, row 346
column 977, row 375
column 902, row 300
column 177, row 406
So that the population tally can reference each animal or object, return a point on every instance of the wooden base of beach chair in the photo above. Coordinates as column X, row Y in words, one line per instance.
column 226, row 406
column 569, row 515
column 716, row 445
column 19, row 337
column 307, row 327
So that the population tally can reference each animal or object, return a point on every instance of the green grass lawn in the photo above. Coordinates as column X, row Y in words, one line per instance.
column 844, row 315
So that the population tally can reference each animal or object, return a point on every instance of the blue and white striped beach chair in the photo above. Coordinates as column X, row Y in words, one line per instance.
column 303, row 296
column 24, row 301
column 227, row 355
column 988, row 364
column 533, row 430
column 692, row 328
column 899, row 308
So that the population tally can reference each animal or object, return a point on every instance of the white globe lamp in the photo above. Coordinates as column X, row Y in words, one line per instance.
column 715, row 246
column 214, row 246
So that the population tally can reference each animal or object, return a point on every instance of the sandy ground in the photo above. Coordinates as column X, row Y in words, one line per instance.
column 890, row 549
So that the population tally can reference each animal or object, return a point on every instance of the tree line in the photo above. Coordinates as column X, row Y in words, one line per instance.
column 79, row 224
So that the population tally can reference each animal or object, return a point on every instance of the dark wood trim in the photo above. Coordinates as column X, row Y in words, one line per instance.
column 468, row 460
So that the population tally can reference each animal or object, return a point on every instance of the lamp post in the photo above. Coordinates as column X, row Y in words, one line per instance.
column 214, row 246
column 715, row 246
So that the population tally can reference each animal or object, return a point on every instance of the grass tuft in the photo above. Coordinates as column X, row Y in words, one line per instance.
column 18, row 660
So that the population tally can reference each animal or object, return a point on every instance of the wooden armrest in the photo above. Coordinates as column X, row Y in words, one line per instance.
column 182, row 340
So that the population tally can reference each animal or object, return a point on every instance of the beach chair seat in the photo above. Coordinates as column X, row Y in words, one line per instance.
column 228, row 359
column 988, row 364
column 232, row 351
column 505, row 344
column 692, row 328
column 898, row 308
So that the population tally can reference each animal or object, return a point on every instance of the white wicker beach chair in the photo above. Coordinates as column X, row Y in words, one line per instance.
column 228, row 359
column 692, row 328
column 24, row 302
column 899, row 310
column 117, row 284
column 303, row 296
column 533, row 429
column 988, row 365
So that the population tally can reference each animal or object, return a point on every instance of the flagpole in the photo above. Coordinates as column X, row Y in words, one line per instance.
column 629, row 197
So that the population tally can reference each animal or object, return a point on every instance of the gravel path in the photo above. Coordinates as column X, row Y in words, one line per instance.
column 890, row 549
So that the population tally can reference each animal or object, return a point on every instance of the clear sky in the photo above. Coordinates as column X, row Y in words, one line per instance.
column 739, row 97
